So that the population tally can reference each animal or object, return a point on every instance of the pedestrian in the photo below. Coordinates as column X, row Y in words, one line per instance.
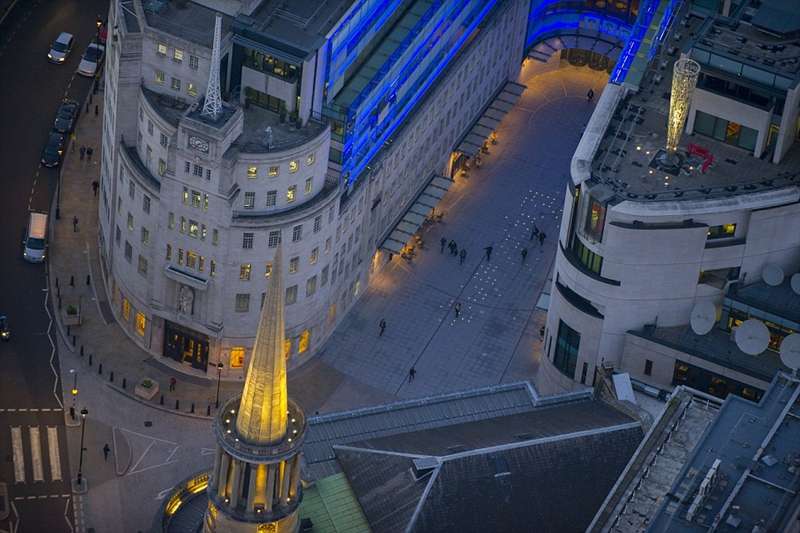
column 89, row 153
column 535, row 232
column 172, row 383
column 95, row 186
column 524, row 253
column 458, row 308
column 72, row 143
column 488, row 252
column 444, row 243
column 106, row 450
column 455, row 248
column 463, row 256
column 541, row 332
column 74, row 224
column 411, row 374
column 82, row 151
column 452, row 246
column 542, row 237
column 383, row 327
column 590, row 96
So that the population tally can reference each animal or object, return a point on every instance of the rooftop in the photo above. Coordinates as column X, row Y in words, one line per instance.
column 186, row 20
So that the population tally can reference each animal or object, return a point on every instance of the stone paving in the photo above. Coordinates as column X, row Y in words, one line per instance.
column 494, row 340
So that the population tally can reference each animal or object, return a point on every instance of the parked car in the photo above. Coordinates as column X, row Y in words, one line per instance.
column 91, row 59
column 65, row 119
column 51, row 157
column 61, row 48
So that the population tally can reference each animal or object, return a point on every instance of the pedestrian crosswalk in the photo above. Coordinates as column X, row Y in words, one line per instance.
column 27, row 446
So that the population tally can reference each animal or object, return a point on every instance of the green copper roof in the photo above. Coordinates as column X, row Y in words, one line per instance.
column 332, row 507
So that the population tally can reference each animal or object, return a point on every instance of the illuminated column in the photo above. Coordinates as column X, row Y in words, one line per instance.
column 684, row 80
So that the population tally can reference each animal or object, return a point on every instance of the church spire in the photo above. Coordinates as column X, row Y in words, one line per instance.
column 262, row 416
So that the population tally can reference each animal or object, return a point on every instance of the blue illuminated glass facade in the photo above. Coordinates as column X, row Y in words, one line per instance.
column 382, row 59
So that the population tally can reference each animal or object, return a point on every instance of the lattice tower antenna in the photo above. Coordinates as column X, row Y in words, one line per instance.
column 213, row 104
column 684, row 80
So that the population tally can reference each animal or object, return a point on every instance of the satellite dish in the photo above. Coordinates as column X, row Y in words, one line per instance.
column 796, row 283
column 772, row 275
column 790, row 351
column 752, row 337
column 704, row 315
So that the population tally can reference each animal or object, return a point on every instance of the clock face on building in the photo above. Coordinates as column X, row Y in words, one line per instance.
column 198, row 144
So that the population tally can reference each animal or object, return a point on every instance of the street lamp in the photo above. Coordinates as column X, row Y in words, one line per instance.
column 220, row 366
column 74, row 393
column 84, row 412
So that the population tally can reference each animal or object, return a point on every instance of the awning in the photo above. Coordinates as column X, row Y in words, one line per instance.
column 480, row 131
column 405, row 229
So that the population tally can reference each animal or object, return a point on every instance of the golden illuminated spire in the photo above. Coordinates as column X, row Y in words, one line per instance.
column 262, row 413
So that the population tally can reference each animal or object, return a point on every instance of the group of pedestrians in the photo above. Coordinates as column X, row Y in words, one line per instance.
column 86, row 151
column 453, row 247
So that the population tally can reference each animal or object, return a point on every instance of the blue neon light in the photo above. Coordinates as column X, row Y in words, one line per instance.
column 647, row 9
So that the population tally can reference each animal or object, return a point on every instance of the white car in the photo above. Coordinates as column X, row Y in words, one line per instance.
column 92, row 57
column 61, row 48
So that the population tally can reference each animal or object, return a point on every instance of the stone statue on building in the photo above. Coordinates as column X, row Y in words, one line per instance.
column 186, row 300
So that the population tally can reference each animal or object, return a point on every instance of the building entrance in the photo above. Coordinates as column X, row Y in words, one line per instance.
column 186, row 346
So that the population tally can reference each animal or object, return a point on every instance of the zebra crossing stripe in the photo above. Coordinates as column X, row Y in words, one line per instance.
column 55, row 460
column 19, row 459
column 36, row 454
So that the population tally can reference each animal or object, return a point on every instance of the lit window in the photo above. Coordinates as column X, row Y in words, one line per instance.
column 291, row 294
column 294, row 264
column 309, row 184
column 249, row 200
column 185, row 197
column 331, row 313
column 721, row 232
column 183, row 224
column 237, row 357
column 293, row 166
column 314, row 254
column 191, row 89
column 288, row 344
column 274, row 237
column 160, row 77
column 126, row 308
column 162, row 49
column 205, row 202
column 244, row 272
column 141, row 323
column 268, row 270
column 252, row 173
column 200, row 263
column 169, row 252
column 274, row 171
column 180, row 256
column 291, row 193
column 203, row 232
column 297, row 233
column 272, row 196
column 130, row 222
column 193, row 228
column 213, row 268
column 247, row 241
column 195, row 198
column 162, row 167
column 305, row 337
column 311, row 159
column 177, row 55
column 242, row 302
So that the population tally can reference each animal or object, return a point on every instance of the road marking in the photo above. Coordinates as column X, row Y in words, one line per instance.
column 36, row 455
column 55, row 461
column 19, row 459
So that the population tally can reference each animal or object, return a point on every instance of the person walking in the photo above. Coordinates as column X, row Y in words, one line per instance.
column 535, row 232
column 172, row 383
column 82, row 151
column 452, row 247
column 524, row 253
column 106, row 451
column 74, row 224
column 411, row 374
column 444, row 243
column 463, row 256
column 590, row 96
column 457, row 307
column 541, row 332
column 95, row 186
column 455, row 249
column 383, row 327
column 488, row 252
column 542, row 236
column 89, row 152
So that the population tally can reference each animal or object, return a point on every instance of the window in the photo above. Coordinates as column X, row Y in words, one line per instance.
column 721, row 232
column 297, row 233
column 171, row 220
column 309, row 184
column 648, row 367
column 237, row 355
column 191, row 89
column 185, row 197
column 176, row 84
column 200, row 263
column 595, row 219
column 197, row 171
column 294, row 264
column 247, row 241
column 293, row 166
column 244, row 272
column 160, row 77
column 215, row 237
column 242, row 303
column 162, row 167
column 274, row 237
column 141, row 323
column 311, row 285
column 324, row 276
column 118, row 235
column 164, row 140
column 187, row 166
column 205, row 202
column 314, row 255
column 169, row 252
column 162, row 49
column 194, row 62
column 128, row 251
column 180, row 256
column 193, row 228
column 274, row 171
column 565, row 358
column 272, row 196
column 305, row 337
column 177, row 55
column 317, row 223
column 327, row 245
column 183, row 224
column 202, row 232
column 331, row 313
column 131, row 189
column 330, row 215
column 146, row 204
column 311, row 159
column 142, row 266
column 145, row 237
column 213, row 268
column 252, row 173
column 287, row 347
column 586, row 257
column 130, row 222
column 291, row 193
column 291, row 294
column 195, row 199
column 126, row 308
column 268, row 270
column 249, row 200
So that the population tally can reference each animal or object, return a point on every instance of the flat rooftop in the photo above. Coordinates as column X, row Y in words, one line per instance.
column 186, row 20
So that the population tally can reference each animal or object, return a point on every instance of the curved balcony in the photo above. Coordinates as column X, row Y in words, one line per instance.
column 330, row 187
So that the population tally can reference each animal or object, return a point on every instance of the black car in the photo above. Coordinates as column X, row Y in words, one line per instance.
column 65, row 119
column 51, row 157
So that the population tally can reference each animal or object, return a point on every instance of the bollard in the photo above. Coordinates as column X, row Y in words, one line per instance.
column 73, row 339
column 58, row 291
column 112, row 377
column 100, row 368
column 81, row 349
column 72, row 281
column 72, row 413
column 208, row 411
column 161, row 402
column 193, row 408
column 96, row 110
column 59, row 302
column 68, row 334
column 90, row 101
column 124, row 382
column 90, row 359
column 177, row 404
column 87, row 105
column 56, row 282
column 88, row 279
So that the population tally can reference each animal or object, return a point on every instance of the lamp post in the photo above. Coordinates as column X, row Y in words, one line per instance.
column 74, row 393
column 84, row 412
column 220, row 366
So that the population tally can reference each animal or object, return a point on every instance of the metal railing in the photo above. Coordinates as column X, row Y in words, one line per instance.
column 313, row 128
column 331, row 186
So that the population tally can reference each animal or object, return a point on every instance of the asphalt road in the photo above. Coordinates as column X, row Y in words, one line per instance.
column 33, row 447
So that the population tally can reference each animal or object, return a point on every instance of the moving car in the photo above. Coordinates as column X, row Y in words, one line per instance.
column 65, row 119
column 91, row 59
column 35, row 238
column 51, row 157
column 61, row 48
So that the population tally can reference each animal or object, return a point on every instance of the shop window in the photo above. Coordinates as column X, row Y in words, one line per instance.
column 568, row 342
column 722, row 231
column 237, row 357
